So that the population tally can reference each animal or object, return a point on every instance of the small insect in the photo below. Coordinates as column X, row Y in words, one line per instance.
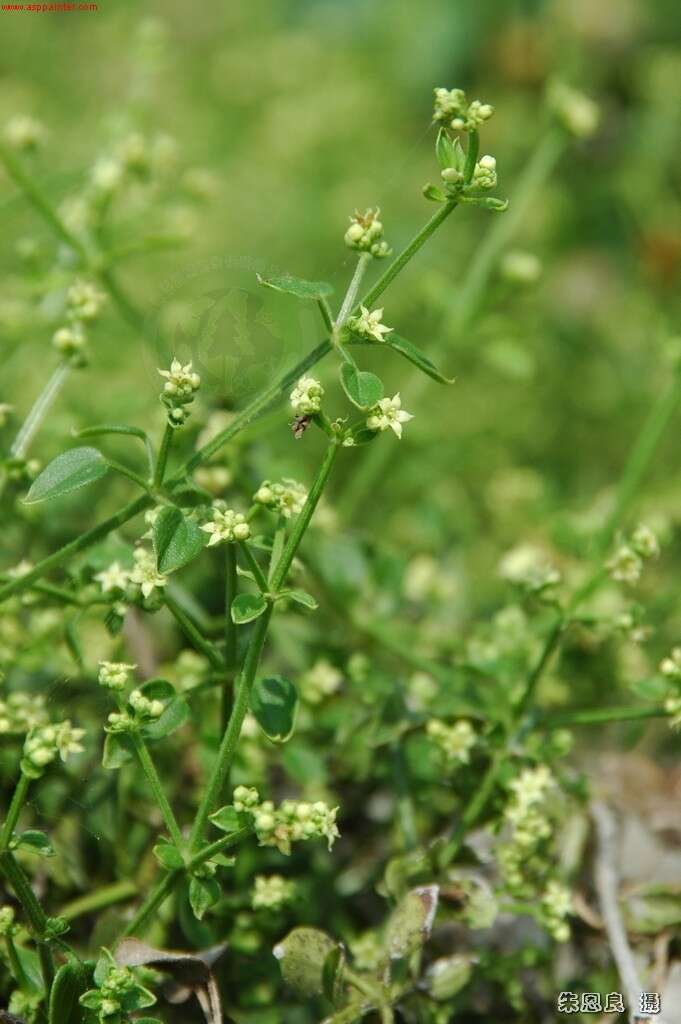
column 299, row 425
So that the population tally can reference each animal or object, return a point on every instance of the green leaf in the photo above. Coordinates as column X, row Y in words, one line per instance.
column 69, row 471
column 411, row 921
column 364, row 436
column 175, row 715
column 177, row 540
column 32, row 840
column 228, row 819
column 70, row 982
column 417, row 357
column 301, row 957
column 168, row 855
column 246, row 607
column 137, row 998
column 157, row 689
column 203, row 893
column 332, row 974
column 274, row 702
column 433, row 194
column 363, row 389
column 300, row 597
column 297, row 286
column 447, row 976
column 118, row 750
column 445, row 151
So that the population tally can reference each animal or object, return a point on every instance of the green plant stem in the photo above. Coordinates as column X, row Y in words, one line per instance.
column 350, row 297
column 230, row 739
column 118, row 467
column 17, row 802
column 250, row 560
column 17, row 970
column 239, row 423
column 117, row 892
column 231, row 650
column 166, row 884
column 192, row 632
column 473, row 810
column 34, row 913
column 598, row 716
column 39, row 411
column 164, row 451
column 149, row 769
column 550, row 646
column 327, row 315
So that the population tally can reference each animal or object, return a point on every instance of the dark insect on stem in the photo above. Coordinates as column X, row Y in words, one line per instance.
column 299, row 425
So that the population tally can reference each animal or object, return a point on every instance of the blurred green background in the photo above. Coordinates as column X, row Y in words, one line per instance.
column 285, row 118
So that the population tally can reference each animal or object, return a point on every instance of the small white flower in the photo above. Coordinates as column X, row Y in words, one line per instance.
column 368, row 324
column 320, row 681
column 485, row 173
column 528, row 566
column 625, row 566
column 25, row 133
column 644, row 542
column 69, row 340
column 180, row 381
column 306, row 397
column 85, row 300
column 455, row 741
column 365, row 234
column 114, row 674
column 68, row 740
column 388, row 414
column 115, row 577
column 227, row 525
column 107, row 174
column 145, row 574
column 271, row 892
column 286, row 497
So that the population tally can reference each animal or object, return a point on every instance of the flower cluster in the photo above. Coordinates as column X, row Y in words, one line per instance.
column 388, row 414
column 291, row 822
column 670, row 668
column 118, row 993
column 286, row 497
column 21, row 712
column 7, row 925
column 454, row 742
column 179, row 391
column 556, row 905
column 306, row 397
column 369, row 324
column 321, row 680
column 114, row 675
column 626, row 564
column 84, row 302
column 270, row 892
column 526, row 816
column 114, row 577
column 44, row 743
column 527, row 566
column 485, row 173
column 453, row 110
column 365, row 234
column 145, row 575
column 144, row 710
column 226, row 525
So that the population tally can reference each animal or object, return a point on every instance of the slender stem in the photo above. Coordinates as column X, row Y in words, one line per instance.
column 302, row 522
column 115, row 428
column 231, row 650
column 599, row 716
column 327, row 315
column 34, row 913
column 473, row 810
column 407, row 253
column 16, row 968
column 18, row 800
column 39, row 411
column 230, row 739
column 192, row 632
column 351, row 294
column 118, row 467
column 164, row 451
column 149, row 770
column 223, row 843
column 277, row 547
column 259, row 575
column 552, row 641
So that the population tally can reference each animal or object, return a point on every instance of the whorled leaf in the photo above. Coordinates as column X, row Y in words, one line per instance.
column 70, row 982
column 301, row 957
column 297, row 286
column 362, row 388
column 415, row 356
column 247, row 607
column 411, row 921
column 274, row 703
column 177, row 539
column 34, row 841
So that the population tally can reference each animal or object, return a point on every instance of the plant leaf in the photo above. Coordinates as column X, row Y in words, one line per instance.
column 33, row 840
column 246, row 607
column 118, row 750
column 274, row 703
column 411, row 921
column 301, row 957
column 297, row 286
column 417, row 357
column 168, row 855
column 434, row 194
column 447, row 976
column 177, row 540
column 228, row 819
column 300, row 597
column 445, row 151
column 69, row 471
column 175, row 715
column 362, row 388
column 203, row 893
column 70, row 982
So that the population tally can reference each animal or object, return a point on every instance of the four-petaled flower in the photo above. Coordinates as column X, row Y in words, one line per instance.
column 368, row 324
column 145, row 574
column 113, row 578
column 388, row 414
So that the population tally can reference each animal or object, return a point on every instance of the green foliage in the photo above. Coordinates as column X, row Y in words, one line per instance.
column 68, row 472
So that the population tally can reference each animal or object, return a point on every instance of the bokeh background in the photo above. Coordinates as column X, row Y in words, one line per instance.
column 269, row 123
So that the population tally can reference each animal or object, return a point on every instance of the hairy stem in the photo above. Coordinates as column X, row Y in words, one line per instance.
column 231, row 650
column 249, row 558
column 18, row 800
column 164, row 452
column 149, row 769
column 351, row 294
column 192, row 632
column 39, row 411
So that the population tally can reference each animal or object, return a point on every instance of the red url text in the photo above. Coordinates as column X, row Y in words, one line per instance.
column 41, row 8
